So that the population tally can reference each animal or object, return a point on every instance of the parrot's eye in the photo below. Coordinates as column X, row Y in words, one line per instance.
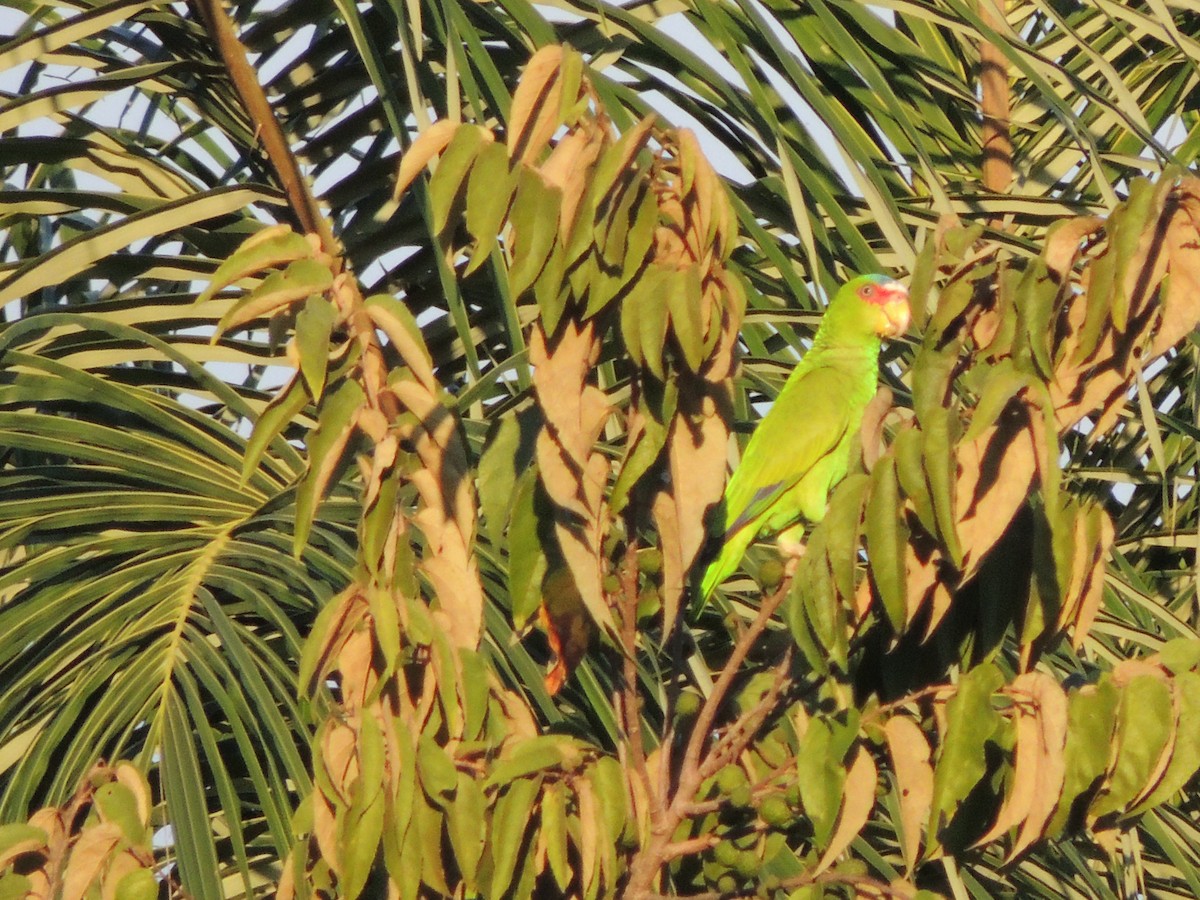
column 868, row 290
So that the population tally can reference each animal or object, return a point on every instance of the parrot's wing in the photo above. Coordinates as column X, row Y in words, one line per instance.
column 809, row 423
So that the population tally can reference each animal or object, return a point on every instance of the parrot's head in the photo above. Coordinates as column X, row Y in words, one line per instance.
column 879, row 303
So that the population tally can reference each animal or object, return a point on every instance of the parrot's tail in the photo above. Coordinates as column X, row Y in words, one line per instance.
column 724, row 565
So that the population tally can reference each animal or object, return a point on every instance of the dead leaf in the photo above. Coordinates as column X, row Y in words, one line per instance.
column 910, row 754
column 433, row 141
column 872, row 426
column 91, row 851
column 534, row 115
column 697, row 447
column 1052, row 711
column 1062, row 244
column 573, row 473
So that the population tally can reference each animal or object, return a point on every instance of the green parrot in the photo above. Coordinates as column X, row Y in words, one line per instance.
column 802, row 447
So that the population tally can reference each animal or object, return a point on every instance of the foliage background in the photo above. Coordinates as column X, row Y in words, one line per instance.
column 143, row 615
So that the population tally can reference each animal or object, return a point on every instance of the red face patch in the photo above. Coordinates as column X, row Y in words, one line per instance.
column 877, row 294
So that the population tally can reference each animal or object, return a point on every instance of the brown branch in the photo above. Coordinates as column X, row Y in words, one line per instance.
column 279, row 152
column 737, row 737
column 650, row 858
column 995, row 102
column 708, row 712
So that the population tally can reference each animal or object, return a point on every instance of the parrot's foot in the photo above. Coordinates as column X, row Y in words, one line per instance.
column 792, row 548
column 790, row 541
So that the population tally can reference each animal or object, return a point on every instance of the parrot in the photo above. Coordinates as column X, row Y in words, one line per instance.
column 802, row 447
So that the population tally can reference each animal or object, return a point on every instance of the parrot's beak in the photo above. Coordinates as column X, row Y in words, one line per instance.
column 896, row 311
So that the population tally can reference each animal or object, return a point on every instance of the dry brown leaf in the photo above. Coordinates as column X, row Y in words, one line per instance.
column 573, row 473
column 569, row 168
column 339, row 755
column 1091, row 592
column 589, row 830
column 325, row 830
column 858, row 799
column 533, row 116
column 1031, row 753
column 1128, row 669
column 1051, row 722
column 1181, row 305
column 50, row 820
column 1062, row 246
column 910, row 754
column 696, row 455
column 444, row 485
column 996, row 471
column 91, row 851
column 939, row 600
column 872, row 426
column 432, row 142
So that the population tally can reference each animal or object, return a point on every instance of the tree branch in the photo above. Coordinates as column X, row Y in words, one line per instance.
column 660, row 848
column 275, row 144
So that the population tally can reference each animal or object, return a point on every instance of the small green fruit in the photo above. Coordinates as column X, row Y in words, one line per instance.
column 776, row 812
column 740, row 796
column 747, row 864
column 649, row 602
column 650, row 561
column 726, row 854
column 687, row 705
column 730, row 778
column 770, row 574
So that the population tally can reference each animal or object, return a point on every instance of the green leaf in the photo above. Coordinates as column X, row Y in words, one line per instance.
column 887, row 541
column 16, row 887
column 526, row 557
column 507, row 454
column 1091, row 720
column 962, row 763
column 314, row 325
column 117, row 804
column 820, row 776
column 1000, row 384
column 534, row 219
column 183, row 788
column 608, row 780
column 514, row 810
column 326, row 444
column 272, row 248
column 1145, row 721
column 361, row 825
column 139, row 884
column 1185, row 754
column 489, row 194
column 452, row 168
column 17, row 837
column 301, row 279
column 684, row 302
column 281, row 412
column 554, row 832
column 467, row 827
column 940, row 430
column 439, row 775
column 533, row 755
